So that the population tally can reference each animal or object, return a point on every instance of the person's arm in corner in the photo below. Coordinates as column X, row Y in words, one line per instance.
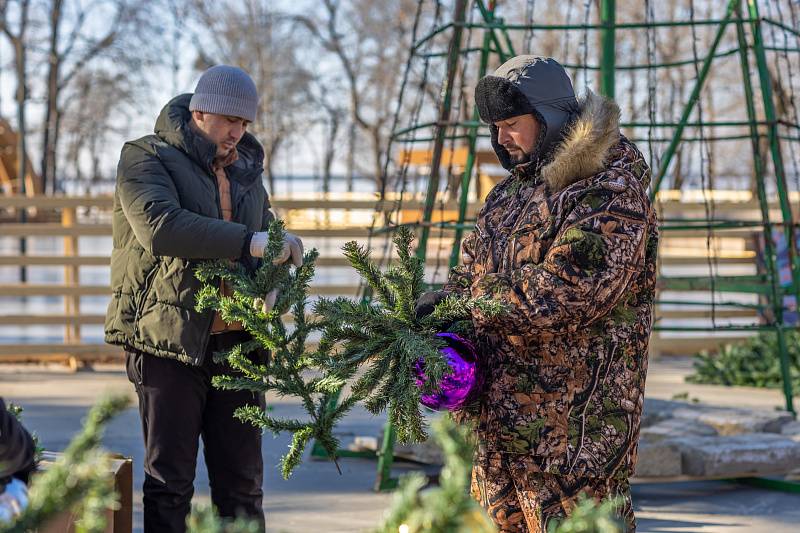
column 16, row 447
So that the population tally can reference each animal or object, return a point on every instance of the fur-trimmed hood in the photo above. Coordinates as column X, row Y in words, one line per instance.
column 528, row 84
column 584, row 149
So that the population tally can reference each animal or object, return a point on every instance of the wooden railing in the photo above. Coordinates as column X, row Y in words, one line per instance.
column 74, row 224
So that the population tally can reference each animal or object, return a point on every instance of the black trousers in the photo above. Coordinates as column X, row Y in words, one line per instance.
column 178, row 404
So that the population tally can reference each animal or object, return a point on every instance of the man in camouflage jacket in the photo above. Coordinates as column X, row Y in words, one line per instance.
column 568, row 241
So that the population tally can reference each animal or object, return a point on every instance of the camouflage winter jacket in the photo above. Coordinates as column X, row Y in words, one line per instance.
column 570, row 246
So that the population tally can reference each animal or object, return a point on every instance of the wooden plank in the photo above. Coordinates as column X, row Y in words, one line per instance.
column 702, row 260
column 335, row 261
column 8, row 351
column 51, row 320
column 55, row 260
column 106, row 202
column 47, row 229
column 31, row 289
column 44, row 229
column 364, row 205
column 673, row 235
column 636, row 480
column 689, row 345
column 329, row 261
column 706, row 313
column 53, row 289
column 56, row 202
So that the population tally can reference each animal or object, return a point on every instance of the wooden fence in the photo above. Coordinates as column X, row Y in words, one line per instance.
column 71, row 218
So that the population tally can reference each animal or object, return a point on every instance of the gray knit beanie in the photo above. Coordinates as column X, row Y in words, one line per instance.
column 226, row 90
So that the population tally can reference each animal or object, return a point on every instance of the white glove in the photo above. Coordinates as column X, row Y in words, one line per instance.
column 267, row 303
column 13, row 500
column 292, row 247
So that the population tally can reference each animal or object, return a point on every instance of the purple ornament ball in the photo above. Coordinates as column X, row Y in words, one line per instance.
column 460, row 386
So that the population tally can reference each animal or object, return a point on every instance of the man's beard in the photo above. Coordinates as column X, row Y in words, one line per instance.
column 520, row 157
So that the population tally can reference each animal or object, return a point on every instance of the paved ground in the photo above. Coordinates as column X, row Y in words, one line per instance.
column 317, row 499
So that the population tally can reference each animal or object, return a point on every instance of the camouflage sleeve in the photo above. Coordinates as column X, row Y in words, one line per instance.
column 460, row 279
column 598, row 251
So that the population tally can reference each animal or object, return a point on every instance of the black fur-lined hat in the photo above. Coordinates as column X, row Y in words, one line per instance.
column 528, row 84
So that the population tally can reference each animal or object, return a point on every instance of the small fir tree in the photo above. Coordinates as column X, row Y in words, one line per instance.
column 386, row 338
column 205, row 519
column 81, row 479
column 448, row 508
column 292, row 368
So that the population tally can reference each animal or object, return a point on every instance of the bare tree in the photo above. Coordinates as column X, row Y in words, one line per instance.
column 265, row 44
column 73, row 49
column 19, row 41
column 370, row 39
column 92, row 115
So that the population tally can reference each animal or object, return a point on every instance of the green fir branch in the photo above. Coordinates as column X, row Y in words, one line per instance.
column 381, row 341
column 448, row 508
column 358, row 256
column 293, row 369
column 16, row 411
column 204, row 519
column 81, row 479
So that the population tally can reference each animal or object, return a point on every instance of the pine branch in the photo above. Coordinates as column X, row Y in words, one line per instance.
column 80, row 479
column 17, row 411
column 204, row 519
column 383, row 336
column 359, row 259
column 447, row 508
column 292, row 370
column 387, row 339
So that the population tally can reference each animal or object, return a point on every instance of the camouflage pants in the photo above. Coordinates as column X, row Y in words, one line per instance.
column 521, row 500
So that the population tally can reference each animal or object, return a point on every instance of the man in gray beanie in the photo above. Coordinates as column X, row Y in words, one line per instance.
column 568, row 242
column 190, row 192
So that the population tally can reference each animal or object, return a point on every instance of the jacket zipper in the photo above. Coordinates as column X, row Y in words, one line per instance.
column 201, row 354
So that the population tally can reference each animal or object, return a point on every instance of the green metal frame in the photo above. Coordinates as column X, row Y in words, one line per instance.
column 497, row 42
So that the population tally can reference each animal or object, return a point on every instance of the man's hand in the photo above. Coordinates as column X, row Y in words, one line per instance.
column 267, row 303
column 427, row 302
column 292, row 248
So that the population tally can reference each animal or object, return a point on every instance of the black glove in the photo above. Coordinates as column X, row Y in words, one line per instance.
column 425, row 303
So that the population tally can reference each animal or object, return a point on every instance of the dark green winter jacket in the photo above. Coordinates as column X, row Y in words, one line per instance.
column 167, row 218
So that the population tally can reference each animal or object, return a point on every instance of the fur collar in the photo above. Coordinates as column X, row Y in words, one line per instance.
column 586, row 144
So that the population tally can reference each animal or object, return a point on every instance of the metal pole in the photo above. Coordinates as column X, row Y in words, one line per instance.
column 783, row 190
column 21, row 152
column 769, row 246
column 384, row 479
column 491, row 23
column 701, row 78
column 441, row 128
column 608, row 19
column 473, row 136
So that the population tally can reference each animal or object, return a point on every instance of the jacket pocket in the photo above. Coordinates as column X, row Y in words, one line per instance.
column 145, row 292
column 134, row 368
